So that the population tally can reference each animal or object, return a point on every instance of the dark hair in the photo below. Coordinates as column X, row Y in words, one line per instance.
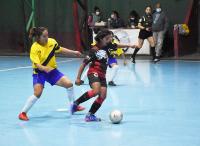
column 148, row 7
column 134, row 14
column 36, row 32
column 101, row 34
column 96, row 8
column 116, row 13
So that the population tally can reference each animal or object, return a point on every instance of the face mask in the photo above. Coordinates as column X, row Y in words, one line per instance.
column 158, row 9
column 132, row 18
column 112, row 16
column 97, row 13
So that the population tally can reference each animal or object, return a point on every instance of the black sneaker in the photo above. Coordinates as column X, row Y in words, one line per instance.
column 156, row 59
column 111, row 83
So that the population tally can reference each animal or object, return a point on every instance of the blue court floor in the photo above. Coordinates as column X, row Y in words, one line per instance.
column 160, row 103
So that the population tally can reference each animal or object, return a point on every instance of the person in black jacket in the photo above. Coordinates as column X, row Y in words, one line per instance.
column 115, row 21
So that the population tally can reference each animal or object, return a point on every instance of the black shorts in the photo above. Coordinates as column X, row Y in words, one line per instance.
column 143, row 34
column 93, row 77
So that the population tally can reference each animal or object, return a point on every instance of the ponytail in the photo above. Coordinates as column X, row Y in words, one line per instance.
column 36, row 32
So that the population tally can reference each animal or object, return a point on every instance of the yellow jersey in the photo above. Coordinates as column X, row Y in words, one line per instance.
column 44, row 55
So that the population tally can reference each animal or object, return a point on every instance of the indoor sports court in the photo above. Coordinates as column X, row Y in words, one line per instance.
column 87, row 72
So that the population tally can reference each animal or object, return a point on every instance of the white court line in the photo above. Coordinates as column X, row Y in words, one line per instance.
column 25, row 67
column 168, row 60
column 195, row 61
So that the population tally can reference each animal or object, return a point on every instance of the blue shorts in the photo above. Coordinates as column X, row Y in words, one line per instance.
column 52, row 77
column 111, row 60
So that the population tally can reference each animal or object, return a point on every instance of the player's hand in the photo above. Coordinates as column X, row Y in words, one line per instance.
column 133, row 46
column 78, row 82
column 48, row 69
column 77, row 53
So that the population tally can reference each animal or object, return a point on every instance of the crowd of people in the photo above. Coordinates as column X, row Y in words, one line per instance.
column 153, row 25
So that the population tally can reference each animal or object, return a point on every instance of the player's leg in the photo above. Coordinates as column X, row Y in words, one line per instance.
column 38, row 88
column 95, row 84
column 114, row 69
column 152, row 45
column 139, row 46
column 68, row 85
column 97, row 103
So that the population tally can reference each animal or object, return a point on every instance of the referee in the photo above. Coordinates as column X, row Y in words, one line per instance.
column 145, row 26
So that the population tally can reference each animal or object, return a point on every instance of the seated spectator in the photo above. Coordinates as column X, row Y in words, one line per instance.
column 115, row 21
column 133, row 19
column 95, row 17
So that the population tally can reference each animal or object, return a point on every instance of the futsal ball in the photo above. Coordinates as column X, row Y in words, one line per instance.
column 116, row 116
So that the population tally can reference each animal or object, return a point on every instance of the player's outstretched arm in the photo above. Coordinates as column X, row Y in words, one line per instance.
column 70, row 52
column 125, row 46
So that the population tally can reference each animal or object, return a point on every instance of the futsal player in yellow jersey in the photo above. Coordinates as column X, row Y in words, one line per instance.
column 43, row 59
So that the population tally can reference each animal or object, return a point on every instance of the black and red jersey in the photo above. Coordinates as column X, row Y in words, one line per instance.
column 98, row 61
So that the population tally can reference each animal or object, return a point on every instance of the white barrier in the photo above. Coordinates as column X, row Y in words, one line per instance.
column 130, row 36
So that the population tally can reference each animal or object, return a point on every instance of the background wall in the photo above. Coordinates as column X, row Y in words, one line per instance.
column 57, row 16
column 199, row 25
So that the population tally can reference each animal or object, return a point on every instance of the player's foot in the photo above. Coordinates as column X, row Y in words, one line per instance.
column 23, row 116
column 92, row 118
column 111, row 83
column 157, row 59
column 74, row 108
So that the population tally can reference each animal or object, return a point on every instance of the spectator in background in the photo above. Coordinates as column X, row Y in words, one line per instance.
column 115, row 21
column 95, row 17
column 159, row 28
column 133, row 19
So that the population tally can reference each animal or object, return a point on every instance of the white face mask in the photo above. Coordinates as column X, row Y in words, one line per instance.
column 158, row 9
column 112, row 16
column 97, row 12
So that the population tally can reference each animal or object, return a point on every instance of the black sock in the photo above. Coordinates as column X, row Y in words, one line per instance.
column 96, row 105
column 135, row 52
column 86, row 96
column 153, row 52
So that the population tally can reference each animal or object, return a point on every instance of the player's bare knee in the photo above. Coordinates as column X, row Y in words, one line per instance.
column 69, row 85
column 38, row 93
